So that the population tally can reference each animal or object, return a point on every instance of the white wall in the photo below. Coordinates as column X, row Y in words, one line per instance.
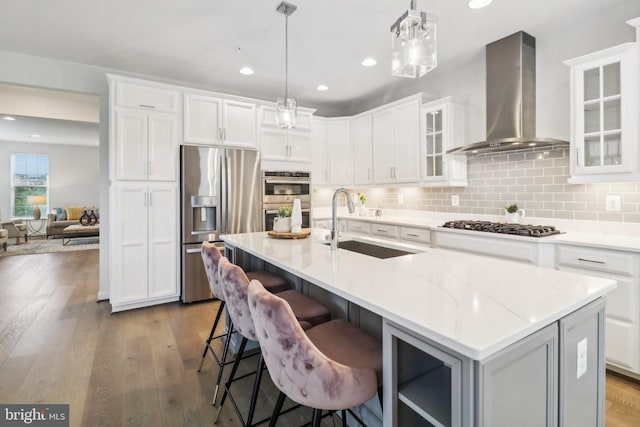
column 73, row 174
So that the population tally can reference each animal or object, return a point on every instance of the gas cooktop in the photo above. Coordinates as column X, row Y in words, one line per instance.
column 504, row 228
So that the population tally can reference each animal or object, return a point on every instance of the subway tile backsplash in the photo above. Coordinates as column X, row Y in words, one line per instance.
column 535, row 180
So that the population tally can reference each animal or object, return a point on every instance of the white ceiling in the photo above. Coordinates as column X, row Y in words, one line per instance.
column 205, row 42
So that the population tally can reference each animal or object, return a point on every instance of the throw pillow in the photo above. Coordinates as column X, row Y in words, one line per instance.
column 61, row 214
column 74, row 213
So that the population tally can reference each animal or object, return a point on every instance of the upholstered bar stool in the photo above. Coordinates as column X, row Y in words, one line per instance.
column 211, row 256
column 332, row 366
column 235, row 283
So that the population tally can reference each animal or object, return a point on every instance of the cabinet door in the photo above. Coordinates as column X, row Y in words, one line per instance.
column 299, row 146
column 130, row 144
column 273, row 143
column 202, row 119
column 319, row 172
column 407, row 147
column 129, row 249
column 239, row 124
column 339, row 147
column 361, row 134
column 162, row 147
column 383, row 146
column 434, row 147
column 163, row 244
column 145, row 97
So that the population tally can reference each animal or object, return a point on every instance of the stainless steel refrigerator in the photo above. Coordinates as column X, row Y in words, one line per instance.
column 221, row 192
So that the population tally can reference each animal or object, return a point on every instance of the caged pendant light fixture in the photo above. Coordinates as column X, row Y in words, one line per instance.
column 413, row 43
column 286, row 109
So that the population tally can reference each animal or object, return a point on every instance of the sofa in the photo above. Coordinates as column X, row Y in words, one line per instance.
column 58, row 219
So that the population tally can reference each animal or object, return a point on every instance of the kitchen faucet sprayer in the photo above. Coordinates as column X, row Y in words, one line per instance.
column 334, row 231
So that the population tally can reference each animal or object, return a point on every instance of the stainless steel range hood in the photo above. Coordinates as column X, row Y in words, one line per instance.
column 511, row 98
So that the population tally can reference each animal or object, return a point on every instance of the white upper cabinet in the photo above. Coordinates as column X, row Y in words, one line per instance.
column 362, row 140
column 339, row 150
column 396, row 142
column 139, row 95
column 604, row 115
column 290, row 145
column 442, row 129
column 145, row 144
column 319, row 166
column 216, row 121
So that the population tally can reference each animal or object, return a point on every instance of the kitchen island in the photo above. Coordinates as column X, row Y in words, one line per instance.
column 496, row 341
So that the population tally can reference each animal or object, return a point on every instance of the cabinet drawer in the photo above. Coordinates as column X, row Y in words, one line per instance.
column 489, row 246
column 358, row 227
column 418, row 235
column 384, row 230
column 148, row 98
column 622, row 263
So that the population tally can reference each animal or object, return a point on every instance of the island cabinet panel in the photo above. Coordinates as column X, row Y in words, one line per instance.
column 582, row 367
column 518, row 386
column 512, row 250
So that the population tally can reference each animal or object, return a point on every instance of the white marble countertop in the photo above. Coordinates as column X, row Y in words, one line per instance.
column 616, row 236
column 473, row 305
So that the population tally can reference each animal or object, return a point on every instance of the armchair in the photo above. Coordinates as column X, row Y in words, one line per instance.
column 15, row 229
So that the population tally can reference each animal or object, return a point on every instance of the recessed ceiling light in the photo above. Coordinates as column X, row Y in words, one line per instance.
column 369, row 62
column 34, row 136
column 322, row 88
column 9, row 118
column 247, row 71
column 478, row 4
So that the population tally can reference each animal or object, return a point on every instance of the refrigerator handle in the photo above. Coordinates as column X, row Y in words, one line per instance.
column 224, row 181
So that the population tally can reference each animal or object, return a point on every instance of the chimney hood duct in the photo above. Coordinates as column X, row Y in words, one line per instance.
column 511, row 98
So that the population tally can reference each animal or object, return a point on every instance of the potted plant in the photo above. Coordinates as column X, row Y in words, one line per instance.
column 282, row 221
column 513, row 214
column 363, row 211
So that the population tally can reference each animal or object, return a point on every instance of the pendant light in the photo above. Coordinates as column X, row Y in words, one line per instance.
column 286, row 109
column 413, row 43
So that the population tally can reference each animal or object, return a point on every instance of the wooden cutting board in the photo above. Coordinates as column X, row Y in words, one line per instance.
column 306, row 232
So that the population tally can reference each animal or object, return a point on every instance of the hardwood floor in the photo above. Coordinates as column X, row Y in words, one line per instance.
column 137, row 368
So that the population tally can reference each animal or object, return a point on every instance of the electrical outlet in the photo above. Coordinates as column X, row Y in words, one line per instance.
column 612, row 203
column 400, row 199
column 455, row 200
column 581, row 358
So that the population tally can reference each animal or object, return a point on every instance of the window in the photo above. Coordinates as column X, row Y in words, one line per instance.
column 29, row 177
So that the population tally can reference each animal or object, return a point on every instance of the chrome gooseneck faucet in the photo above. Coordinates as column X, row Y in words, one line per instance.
column 334, row 231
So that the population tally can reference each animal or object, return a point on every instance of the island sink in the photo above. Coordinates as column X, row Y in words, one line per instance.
column 370, row 249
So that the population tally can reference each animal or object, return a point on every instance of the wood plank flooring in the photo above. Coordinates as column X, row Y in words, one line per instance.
column 137, row 368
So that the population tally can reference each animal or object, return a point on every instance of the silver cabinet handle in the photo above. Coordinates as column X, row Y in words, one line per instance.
column 194, row 251
column 577, row 156
column 153, row 107
column 591, row 261
column 382, row 231
column 413, row 235
column 224, row 131
column 220, row 134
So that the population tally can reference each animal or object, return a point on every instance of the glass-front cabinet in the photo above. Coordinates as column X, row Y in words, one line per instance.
column 442, row 130
column 604, row 115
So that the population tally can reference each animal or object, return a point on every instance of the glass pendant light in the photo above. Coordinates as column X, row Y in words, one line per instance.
column 413, row 43
column 286, row 109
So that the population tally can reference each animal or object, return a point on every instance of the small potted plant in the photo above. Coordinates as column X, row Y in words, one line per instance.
column 282, row 221
column 363, row 211
column 513, row 214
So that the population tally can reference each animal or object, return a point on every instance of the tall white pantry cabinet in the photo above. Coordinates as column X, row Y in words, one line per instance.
column 143, row 171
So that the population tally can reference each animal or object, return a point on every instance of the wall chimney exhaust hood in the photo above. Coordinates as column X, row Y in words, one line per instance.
column 511, row 98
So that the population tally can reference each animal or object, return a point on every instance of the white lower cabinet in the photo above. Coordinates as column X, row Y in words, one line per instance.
column 144, row 246
column 623, row 303
column 512, row 250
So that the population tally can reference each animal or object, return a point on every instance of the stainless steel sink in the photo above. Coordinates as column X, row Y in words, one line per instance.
column 370, row 249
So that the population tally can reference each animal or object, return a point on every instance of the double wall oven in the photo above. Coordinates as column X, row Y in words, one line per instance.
column 282, row 188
